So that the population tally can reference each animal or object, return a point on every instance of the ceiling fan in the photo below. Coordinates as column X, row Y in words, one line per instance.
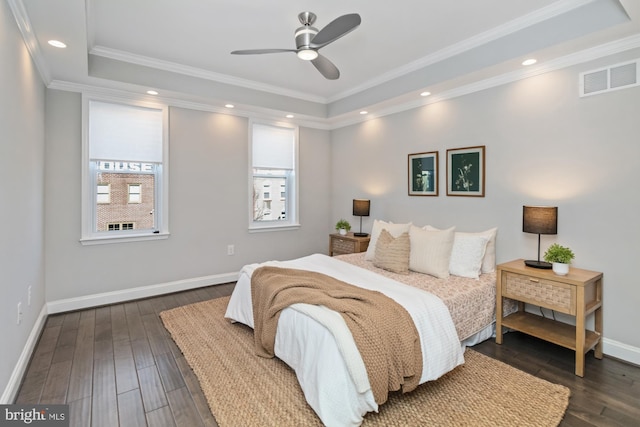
column 309, row 40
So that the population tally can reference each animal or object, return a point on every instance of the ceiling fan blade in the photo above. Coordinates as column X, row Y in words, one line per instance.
column 336, row 29
column 326, row 67
column 260, row 51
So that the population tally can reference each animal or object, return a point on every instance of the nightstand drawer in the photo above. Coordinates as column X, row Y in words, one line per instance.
column 541, row 292
column 342, row 246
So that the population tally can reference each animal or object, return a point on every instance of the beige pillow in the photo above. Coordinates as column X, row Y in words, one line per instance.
column 394, row 229
column 392, row 253
column 431, row 251
column 489, row 259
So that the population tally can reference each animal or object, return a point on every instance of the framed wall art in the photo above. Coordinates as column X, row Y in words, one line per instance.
column 465, row 171
column 423, row 174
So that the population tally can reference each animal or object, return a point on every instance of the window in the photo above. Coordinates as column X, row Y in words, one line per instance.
column 103, row 193
column 273, row 150
column 122, row 226
column 134, row 193
column 124, row 175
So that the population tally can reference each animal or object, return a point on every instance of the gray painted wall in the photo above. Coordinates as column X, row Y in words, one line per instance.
column 208, row 206
column 544, row 145
column 21, row 192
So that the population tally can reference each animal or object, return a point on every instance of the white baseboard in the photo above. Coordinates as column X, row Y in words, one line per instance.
column 11, row 390
column 114, row 297
column 621, row 351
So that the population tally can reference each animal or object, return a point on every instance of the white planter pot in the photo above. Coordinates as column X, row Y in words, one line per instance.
column 342, row 231
column 560, row 269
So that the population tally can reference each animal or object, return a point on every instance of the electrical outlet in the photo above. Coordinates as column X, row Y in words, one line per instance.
column 19, row 313
column 230, row 250
column 29, row 296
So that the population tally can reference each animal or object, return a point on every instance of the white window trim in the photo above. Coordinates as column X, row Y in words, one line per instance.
column 293, row 219
column 88, row 236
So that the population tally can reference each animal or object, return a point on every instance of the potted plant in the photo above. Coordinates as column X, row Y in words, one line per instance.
column 560, row 257
column 343, row 226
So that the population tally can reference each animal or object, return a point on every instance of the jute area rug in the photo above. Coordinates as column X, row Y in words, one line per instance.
column 245, row 390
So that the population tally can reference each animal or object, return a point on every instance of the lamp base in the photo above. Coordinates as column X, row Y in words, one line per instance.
column 360, row 234
column 538, row 264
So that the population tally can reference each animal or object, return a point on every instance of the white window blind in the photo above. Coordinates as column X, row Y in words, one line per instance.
column 273, row 147
column 125, row 132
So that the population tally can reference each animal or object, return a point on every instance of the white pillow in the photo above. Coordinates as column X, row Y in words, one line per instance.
column 489, row 260
column 467, row 254
column 394, row 229
column 431, row 251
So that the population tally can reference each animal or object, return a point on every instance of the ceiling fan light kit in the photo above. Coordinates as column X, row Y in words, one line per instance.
column 307, row 54
column 309, row 40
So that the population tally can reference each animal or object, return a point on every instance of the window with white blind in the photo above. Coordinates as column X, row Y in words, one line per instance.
column 273, row 150
column 124, row 176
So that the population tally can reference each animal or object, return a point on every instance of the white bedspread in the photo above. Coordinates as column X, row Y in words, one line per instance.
column 311, row 349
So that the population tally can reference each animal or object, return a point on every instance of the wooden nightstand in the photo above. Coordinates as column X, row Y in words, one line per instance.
column 578, row 294
column 347, row 244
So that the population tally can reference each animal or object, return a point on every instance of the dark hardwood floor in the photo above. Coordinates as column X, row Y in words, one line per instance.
column 117, row 365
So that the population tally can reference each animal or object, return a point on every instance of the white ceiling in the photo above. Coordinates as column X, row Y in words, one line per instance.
column 182, row 48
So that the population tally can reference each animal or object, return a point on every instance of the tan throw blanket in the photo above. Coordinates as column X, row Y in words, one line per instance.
column 382, row 329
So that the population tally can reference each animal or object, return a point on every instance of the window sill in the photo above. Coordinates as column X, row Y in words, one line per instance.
column 267, row 228
column 106, row 240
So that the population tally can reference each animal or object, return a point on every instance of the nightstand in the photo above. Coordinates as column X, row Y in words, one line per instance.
column 347, row 244
column 578, row 294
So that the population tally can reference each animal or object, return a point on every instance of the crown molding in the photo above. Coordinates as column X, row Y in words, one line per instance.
column 478, row 40
column 30, row 40
column 577, row 58
column 331, row 123
column 173, row 67
column 212, row 107
column 540, row 15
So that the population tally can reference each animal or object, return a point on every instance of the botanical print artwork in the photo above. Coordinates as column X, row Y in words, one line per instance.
column 423, row 174
column 465, row 171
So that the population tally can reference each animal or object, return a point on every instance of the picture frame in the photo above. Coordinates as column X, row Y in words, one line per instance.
column 423, row 174
column 466, row 171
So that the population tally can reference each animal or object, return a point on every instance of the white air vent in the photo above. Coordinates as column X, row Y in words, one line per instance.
column 614, row 77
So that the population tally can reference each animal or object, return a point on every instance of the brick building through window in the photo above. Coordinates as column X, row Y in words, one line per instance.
column 131, row 201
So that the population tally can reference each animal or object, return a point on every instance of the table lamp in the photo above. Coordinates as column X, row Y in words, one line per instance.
column 361, row 208
column 539, row 220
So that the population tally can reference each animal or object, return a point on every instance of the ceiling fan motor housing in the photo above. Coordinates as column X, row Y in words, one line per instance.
column 304, row 35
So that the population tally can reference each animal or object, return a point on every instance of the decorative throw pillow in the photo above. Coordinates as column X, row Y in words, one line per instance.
column 467, row 254
column 431, row 251
column 489, row 259
column 392, row 253
column 394, row 229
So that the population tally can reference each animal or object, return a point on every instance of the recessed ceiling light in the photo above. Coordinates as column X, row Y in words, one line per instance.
column 364, row 112
column 425, row 94
column 152, row 92
column 229, row 105
column 57, row 43
column 289, row 116
column 530, row 61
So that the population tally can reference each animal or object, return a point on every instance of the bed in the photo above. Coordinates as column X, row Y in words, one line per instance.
column 454, row 312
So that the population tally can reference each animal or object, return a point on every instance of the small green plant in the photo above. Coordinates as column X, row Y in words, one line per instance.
column 343, row 223
column 557, row 253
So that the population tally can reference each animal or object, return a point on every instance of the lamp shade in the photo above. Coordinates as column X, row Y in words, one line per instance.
column 361, row 207
column 540, row 219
